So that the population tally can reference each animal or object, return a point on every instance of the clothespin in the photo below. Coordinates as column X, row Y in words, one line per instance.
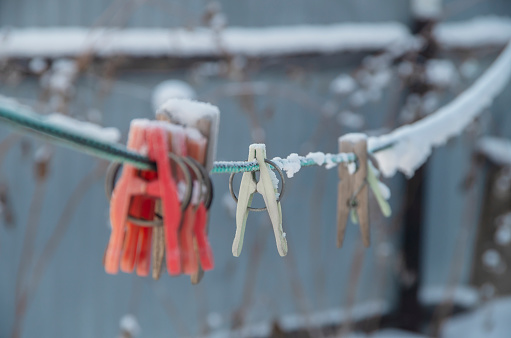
column 153, row 139
column 197, row 146
column 127, row 186
column 176, row 143
column 205, row 119
column 265, row 186
column 353, row 191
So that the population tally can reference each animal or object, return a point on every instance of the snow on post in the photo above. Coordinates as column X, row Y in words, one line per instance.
column 427, row 9
column 412, row 144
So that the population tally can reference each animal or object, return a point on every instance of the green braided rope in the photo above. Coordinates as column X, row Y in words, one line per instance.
column 22, row 117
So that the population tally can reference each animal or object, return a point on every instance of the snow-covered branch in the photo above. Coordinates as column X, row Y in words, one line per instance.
column 413, row 143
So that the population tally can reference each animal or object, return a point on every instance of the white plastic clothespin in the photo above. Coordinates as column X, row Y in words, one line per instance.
column 267, row 189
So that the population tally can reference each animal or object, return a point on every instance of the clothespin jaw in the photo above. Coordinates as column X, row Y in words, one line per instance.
column 267, row 189
column 353, row 193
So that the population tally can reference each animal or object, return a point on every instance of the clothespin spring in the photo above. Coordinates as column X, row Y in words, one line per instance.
column 182, row 162
column 281, row 194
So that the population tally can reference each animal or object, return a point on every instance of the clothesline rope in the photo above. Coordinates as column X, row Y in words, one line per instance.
column 22, row 117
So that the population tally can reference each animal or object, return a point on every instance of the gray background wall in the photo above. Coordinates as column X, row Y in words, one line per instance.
column 75, row 296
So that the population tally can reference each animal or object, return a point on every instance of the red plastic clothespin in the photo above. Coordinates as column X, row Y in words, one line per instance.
column 134, row 191
column 137, row 243
column 189, row 264
column 197, row 147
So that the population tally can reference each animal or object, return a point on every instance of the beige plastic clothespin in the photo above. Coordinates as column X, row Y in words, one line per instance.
column 353, row 193
column 266, row 188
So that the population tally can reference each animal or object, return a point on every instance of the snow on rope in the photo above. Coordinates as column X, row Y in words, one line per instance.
column 412, row 144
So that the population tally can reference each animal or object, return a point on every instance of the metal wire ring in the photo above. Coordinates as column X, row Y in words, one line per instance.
column 113, row 170
column 253, row 173
column 198, row 175
column 207, row 182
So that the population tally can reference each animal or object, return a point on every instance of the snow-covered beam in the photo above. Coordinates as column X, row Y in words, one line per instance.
column 252, row 42
column 148, row 42
column 475, row 33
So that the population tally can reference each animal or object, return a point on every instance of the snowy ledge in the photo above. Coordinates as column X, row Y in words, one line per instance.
column 253, row 42
column 200, row 42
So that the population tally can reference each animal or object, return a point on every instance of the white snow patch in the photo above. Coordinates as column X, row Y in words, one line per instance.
column 478, row 32
column 317, row 157
column 496, row 149
column 352, row 167
column 274, row 181
column 171, row 89
column 37, row 65
column 412, row 144
column 492, row 260
column 359, row 311
column 441, row 73
column 343, row 84
column 291, row 165
column 129, row 324
column 88, row 129
column 490, row 321
column 189, row 111
column 460, row 295
column 427, row 9
column 60, row 78
column 503, row 234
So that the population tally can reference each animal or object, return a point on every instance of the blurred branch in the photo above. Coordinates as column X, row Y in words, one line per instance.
column 24, row 295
